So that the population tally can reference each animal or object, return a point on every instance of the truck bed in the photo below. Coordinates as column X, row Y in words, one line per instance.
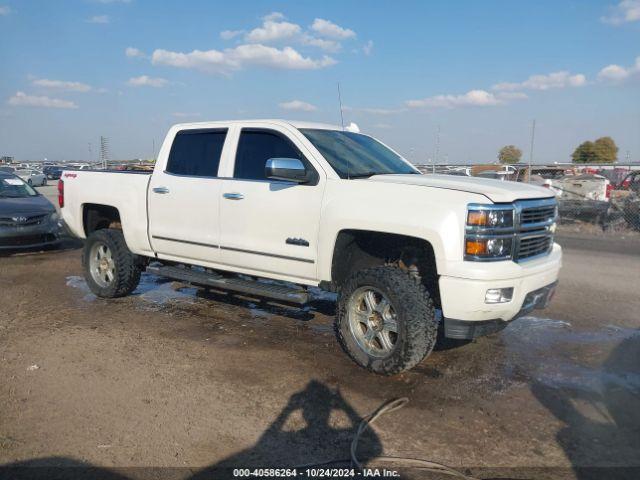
column 124, row 190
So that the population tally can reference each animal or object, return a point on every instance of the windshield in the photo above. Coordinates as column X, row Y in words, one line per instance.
column 13, row 187
column 353, row 155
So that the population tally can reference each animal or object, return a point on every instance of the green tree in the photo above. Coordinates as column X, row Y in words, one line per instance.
column 584, row 153
column 603, row 150
column 509, row 154
column 606, row 150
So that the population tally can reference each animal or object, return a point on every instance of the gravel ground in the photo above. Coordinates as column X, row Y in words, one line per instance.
column 176, row 377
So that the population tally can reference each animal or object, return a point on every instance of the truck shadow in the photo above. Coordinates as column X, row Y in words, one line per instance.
column 601, row 433
column 315, row 427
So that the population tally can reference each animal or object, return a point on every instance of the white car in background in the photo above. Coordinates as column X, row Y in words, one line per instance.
column 34, row 178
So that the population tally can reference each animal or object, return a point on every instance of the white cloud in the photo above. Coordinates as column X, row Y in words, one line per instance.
column 133, row 52
column 329, row 29
column 617, row 74
column 272, row 31
column 146, row 81
column 477, row 98
column 61, row 85
column 99, row 19
column 544, row 82
column 273, row 17
column 229, row 34
column 614, row 73
column 368, row 48
column 625, row 12
column 298, row 105
column 240, row 57
column 4, row 10
column 322, row 43
column 21, row 99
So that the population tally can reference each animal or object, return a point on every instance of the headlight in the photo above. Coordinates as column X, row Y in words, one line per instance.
column 489, row 248
column 485, row 218
column 489, row 232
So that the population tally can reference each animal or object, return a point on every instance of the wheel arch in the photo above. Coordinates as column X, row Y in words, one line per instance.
column 356, row 249
column 99, row 216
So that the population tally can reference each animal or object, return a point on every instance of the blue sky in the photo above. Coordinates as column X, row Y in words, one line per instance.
column 480, row 72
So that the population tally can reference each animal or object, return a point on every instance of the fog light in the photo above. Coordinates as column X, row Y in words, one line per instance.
column 498, row 295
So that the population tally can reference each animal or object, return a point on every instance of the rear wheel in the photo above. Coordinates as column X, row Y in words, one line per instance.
column 110, row 269
column 44, row 182
column 386, row 320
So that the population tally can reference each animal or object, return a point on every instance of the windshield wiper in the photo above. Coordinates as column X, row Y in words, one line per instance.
column 371, row 174
column 362, row 175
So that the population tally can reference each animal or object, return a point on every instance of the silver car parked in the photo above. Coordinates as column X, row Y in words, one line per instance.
column 34, row 178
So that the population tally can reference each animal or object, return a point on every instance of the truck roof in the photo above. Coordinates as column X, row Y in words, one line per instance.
column 293, row 123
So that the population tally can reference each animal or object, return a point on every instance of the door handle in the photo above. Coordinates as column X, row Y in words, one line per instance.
column 160, row 190
column 233, row 196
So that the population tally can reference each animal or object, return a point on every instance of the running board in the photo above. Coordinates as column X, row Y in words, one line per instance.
column 282, row 293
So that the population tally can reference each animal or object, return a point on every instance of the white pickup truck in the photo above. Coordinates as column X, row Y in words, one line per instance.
column 411, row 256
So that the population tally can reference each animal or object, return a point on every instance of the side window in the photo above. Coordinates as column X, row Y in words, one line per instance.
column 255, row 148
column 196, row 152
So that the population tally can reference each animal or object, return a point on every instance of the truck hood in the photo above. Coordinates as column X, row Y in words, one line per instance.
column 497, row 191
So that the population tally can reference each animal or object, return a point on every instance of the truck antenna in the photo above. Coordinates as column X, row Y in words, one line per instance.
column 342, row 122
column 340, row 102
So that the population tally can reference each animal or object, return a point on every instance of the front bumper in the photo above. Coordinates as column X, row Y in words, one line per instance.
column 463, row 299
column 28, row 237
column 466, row 329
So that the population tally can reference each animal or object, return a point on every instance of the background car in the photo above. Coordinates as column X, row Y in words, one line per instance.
column 27, row 219
column 53, row 172
column 32, row 177
column 7, row 169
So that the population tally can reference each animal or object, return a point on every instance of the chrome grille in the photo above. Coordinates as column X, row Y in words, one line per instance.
column 22, row 220
column 537, row 215
column 534, row 234
column 533, row 246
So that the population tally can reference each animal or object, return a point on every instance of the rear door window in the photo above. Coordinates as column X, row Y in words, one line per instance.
column 196, row 153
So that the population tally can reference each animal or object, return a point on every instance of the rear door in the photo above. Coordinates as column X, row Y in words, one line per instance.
column 267, row 225
column 184, row 197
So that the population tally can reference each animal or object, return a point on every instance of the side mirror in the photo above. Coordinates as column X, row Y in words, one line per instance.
column 288, row 169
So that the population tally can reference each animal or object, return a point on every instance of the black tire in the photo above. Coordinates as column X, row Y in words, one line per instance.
column 30, row 182
column 44, row 182
column 127, row 268
column 415, row 315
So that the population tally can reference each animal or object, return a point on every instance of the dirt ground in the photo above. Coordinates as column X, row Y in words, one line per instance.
column 177, row 377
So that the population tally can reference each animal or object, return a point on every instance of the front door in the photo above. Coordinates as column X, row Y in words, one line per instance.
column 184, row 222
column 269, row 226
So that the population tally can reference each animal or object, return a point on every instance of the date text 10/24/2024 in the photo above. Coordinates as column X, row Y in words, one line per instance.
column 314, row 473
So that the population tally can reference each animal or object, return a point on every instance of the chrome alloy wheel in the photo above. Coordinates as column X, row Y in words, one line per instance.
column 372, row 322
column 101, row 265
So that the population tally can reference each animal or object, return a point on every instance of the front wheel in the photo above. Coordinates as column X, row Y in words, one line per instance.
column 110, row 269
column 44, row 182
column 386, row 320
